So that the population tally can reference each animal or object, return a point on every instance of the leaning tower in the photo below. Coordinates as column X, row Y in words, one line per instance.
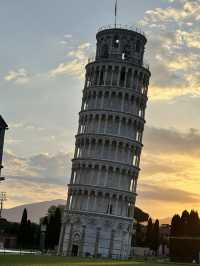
column 98, row 219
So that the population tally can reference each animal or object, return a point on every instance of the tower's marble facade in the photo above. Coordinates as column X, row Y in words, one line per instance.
column 101, row 195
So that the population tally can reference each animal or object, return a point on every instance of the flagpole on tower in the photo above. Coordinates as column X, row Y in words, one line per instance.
column 116, row 14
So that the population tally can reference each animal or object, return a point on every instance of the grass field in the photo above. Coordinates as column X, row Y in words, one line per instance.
column 62, row 261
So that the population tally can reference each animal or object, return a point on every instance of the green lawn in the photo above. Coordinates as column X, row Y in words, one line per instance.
column 62, row 261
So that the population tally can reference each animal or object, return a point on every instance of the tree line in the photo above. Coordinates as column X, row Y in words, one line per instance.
column 188, row 224
column 148, row 236
column 185, row 237
column 29, row 234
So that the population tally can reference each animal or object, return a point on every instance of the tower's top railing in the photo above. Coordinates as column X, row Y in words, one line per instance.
column 123, row 27
column 92, row 59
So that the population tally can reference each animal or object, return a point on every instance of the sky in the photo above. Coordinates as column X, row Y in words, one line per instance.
column 44, row 48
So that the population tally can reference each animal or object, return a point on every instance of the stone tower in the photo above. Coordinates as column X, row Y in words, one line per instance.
column 98, row 219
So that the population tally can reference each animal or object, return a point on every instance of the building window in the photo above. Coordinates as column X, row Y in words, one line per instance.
column 109, row 209
column 138, row 46
column 104, row 51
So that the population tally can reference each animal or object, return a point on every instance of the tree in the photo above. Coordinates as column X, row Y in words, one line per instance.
column 194, row 224
column 53, row 228
column 184, row 242
column 22, row 235
column 175, row 225
column 28, row 233
column 185, row 217
column 57, row 225
column 140, row 216
column 139, row 235
column 148, row 238
column 155, row 237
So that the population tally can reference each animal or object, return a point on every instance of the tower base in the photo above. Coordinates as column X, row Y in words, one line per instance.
column 93, row 235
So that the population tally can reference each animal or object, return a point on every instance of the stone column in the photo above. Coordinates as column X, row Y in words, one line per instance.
column 96, row 99
column 98, row 77
column 116, row 206
column 105, row 75
column 106, row 125
column 79, row 127
column 70, row 241
column 126, row 76
column 95, row 202
column 89, row 149
column 96, row 247
column 102, row 102
column 111, row 78
column 72, row 177
column 98, row 175
column 99, row 124
column 61, row 240
column 76, row 151
column 122, row 103
column 106, row 178
column 83, row 102
column 68, row 200
column 88, row 202
column 116, row 153
column 119, row 75
column 82, row 241
column 119, row 128
column 111, row 243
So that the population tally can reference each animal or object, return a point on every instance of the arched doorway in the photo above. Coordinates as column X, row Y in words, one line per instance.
column 75, row 249
column 75, row 245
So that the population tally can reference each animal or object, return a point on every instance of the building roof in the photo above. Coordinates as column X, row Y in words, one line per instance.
column 3, row 123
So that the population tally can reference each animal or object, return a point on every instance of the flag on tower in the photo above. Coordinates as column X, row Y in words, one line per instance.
column 115, row 13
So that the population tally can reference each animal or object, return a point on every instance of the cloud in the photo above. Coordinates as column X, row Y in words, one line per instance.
column 22, row 191
column 41, row 166
column 20, row 76
column 169, row 178
column 67, row 36
column 25, row 126
column 170, row 141
column 76, row 65
column 37, row 178
column 173, row 49
column 169, row 172
column 181, row 10
column 190, row 39
column 170, row 194
column 171, row 157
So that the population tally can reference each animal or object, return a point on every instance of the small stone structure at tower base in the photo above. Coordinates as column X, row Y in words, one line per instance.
column 98, row 219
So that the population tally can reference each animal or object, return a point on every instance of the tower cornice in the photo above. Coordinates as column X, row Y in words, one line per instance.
column 144, row 66
column 102, row 189
column 112, row 137
column 108, row 163
column 112, row 112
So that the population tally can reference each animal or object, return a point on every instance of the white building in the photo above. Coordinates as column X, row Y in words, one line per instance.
column 98, row 220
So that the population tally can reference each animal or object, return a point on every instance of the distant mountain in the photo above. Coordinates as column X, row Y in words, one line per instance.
column 38, row 210
column 35, row 210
